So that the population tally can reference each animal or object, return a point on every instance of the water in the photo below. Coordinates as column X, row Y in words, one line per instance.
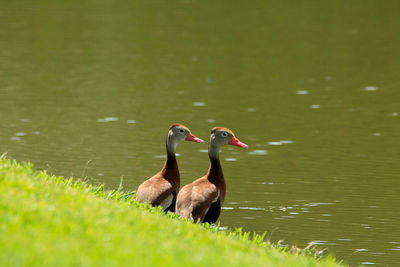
column 89, row 89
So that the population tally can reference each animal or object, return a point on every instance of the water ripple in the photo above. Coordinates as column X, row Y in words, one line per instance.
column 107, row 119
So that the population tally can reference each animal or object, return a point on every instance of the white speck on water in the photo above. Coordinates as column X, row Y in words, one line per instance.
column 258, row 152
column 294, row 213
column 345, row 239
column 36, row 132
column 394, row 114
column 326, row 215
column 376, row 134
column 365, row 226
column 370, row 88
column 319, row 242
column 250, row 208
column 286, row 141
column 107, row 119
column 159, row 156
column 198, row 104
column 100, row 174
column 361, row 250
column 20, row 134
column 227, row 208
column 203, row 150
column 24, row 120
column 130, row 121
column 231, row 159
column 315, row 106
column 210, row 120
column 367, row 263
column 275, row 143
column 251, row 110
column 177, row 154
column 263, row 183
column 397, row 249
column 316, row 204
column 302, row 92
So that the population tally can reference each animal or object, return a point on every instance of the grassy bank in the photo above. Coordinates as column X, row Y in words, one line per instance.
column 51, row 221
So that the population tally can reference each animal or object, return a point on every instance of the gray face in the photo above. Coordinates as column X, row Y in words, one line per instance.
column 178, row 134
column 220, row 137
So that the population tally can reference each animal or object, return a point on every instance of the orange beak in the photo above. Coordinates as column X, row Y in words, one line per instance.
column 191, row 137
column 234, row 141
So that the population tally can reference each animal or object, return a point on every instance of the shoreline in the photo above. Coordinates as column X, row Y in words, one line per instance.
column 49, row 220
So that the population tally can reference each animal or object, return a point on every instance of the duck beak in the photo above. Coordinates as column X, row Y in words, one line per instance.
column 191, row 137
column 235, row 142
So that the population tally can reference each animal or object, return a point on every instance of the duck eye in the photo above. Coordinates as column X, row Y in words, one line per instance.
column 181, row 131
column 224, row 134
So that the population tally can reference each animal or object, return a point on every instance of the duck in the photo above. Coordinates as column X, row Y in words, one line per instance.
column 202, row 199
column 162, row 188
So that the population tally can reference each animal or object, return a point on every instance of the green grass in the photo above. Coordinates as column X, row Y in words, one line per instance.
column 51, row 221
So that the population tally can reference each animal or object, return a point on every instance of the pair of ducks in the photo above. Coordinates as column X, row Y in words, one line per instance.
column 200, row 200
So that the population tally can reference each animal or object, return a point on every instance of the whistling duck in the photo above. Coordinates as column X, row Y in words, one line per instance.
column 163, row 187
column 202, row 199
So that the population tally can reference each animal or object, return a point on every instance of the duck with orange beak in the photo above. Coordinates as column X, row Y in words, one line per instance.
column 162, row 188
column 202, row 199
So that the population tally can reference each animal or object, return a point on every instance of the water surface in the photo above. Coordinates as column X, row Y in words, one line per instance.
column 89, row 89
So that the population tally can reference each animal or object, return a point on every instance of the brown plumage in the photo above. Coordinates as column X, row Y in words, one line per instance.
column 162, row 188
column 202, row 199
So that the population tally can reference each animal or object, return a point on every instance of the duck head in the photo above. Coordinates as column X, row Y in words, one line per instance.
column 223, row 136
column 179, row 132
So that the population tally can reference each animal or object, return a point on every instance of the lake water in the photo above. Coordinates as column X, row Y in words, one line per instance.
column 89, row 89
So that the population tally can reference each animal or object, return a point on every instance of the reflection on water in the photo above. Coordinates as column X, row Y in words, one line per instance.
column 107, row 119
column 311, row 87
column 258, row 152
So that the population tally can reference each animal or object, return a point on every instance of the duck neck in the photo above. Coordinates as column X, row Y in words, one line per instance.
column 170, row 169
column 213, row 151
column 214, row 174
column 171, row 145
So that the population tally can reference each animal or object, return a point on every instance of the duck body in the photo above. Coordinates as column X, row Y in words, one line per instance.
column 164, row 196
column 162, row 188
column 202, row 199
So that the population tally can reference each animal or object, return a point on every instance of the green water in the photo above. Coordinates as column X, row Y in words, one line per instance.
column 89, row 89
